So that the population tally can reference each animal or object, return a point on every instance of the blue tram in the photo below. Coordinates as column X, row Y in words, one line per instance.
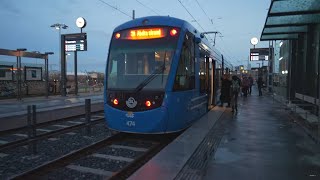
column 161, row 76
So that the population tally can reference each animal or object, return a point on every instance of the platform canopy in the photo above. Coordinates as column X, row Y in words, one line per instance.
column 287, row 18
column 8, row 52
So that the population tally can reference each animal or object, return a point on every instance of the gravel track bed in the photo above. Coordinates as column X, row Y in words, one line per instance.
column 101, row 163
column 139, row 144
column 41, row 132
column 19, row 159
column 66, row 173
column 51, row 127
column 11, row 137
column 120, row 152
column 69, row 124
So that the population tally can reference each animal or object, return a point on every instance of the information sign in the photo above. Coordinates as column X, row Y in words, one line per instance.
column 75, row 42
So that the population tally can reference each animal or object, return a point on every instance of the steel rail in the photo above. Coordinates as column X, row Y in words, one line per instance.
column 63, row 161
column 138, row 162
column 24, row 128
column 25, row 141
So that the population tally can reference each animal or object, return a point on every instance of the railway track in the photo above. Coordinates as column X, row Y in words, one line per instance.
column 115, row 157
column 19, row 137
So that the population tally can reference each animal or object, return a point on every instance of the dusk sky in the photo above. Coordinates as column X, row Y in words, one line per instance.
column 26, row 24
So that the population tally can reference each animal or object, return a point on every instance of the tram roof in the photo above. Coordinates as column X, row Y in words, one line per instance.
column 286, row 19
column 152, row 21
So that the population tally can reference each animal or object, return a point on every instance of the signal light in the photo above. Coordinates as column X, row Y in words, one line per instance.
column 148, row 103
column 115, row 102
column 118, row 35
column 173, row 32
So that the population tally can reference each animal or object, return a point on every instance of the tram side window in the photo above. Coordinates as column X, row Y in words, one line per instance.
column 202, row 75
column 185, row 77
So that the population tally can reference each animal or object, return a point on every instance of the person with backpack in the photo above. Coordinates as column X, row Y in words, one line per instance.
column 235, row 89
column 245, row 86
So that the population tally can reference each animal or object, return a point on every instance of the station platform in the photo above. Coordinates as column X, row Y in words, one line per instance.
column 13, row 112
column 260, row 142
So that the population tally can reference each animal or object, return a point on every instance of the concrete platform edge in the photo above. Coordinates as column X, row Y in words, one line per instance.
column 170, row 161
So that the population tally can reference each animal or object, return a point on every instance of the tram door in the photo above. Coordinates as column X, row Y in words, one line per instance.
column 209, row 81
column 213, row 83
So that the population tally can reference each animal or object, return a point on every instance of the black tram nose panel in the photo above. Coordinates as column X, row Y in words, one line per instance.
column 135, row 102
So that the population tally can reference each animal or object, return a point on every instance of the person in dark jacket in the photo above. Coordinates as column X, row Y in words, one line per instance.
column 235, row 89
column 250, row 84
column 260, row 84
column 225, row 90
column 245, row 86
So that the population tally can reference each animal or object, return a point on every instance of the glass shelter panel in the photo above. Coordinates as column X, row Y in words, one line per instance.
column 294, row 19
column 295, row 6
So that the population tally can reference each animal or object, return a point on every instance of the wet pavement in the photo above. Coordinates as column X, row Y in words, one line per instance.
column 261, row 142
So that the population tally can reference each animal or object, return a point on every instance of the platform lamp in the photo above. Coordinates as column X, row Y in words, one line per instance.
column 60, row 26
column 46, row 60
column 19, row 72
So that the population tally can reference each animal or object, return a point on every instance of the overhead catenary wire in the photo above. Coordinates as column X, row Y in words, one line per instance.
column 228, row 52
column 210, row 20
column 191, row 15
column 201, row 26
column 194, row 19
column 147, row 7
column 115, row 8
column 203, row 11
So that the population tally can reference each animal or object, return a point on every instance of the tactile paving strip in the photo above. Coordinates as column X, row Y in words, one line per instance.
column 196, row 165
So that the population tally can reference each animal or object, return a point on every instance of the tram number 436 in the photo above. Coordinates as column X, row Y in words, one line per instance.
column 131, row 123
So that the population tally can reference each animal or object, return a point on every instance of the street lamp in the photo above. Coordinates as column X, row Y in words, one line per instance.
column 19, row 72
column 47, row 71
column 59, row 26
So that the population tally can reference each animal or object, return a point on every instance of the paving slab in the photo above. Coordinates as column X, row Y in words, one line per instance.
column 263, row 143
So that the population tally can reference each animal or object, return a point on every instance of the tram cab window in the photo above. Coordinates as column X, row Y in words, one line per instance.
column 133, row 62
column 185, row 76
column 127, row 70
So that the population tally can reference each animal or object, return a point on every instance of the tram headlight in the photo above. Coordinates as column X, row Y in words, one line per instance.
column 148, row 103
column 173, row 32
column 118, row 35
column 115, row 102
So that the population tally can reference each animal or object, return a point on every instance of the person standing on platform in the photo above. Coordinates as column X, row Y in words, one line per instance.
column 245, row 86
column 235, row 89
column 225, row 90
column 250, row 84
column 260, row 84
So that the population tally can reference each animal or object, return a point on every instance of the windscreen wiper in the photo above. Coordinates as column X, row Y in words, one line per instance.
column 149, row 79
column 151, row 76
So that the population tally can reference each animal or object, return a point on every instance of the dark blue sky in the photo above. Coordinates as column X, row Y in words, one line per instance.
column 26, row 24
